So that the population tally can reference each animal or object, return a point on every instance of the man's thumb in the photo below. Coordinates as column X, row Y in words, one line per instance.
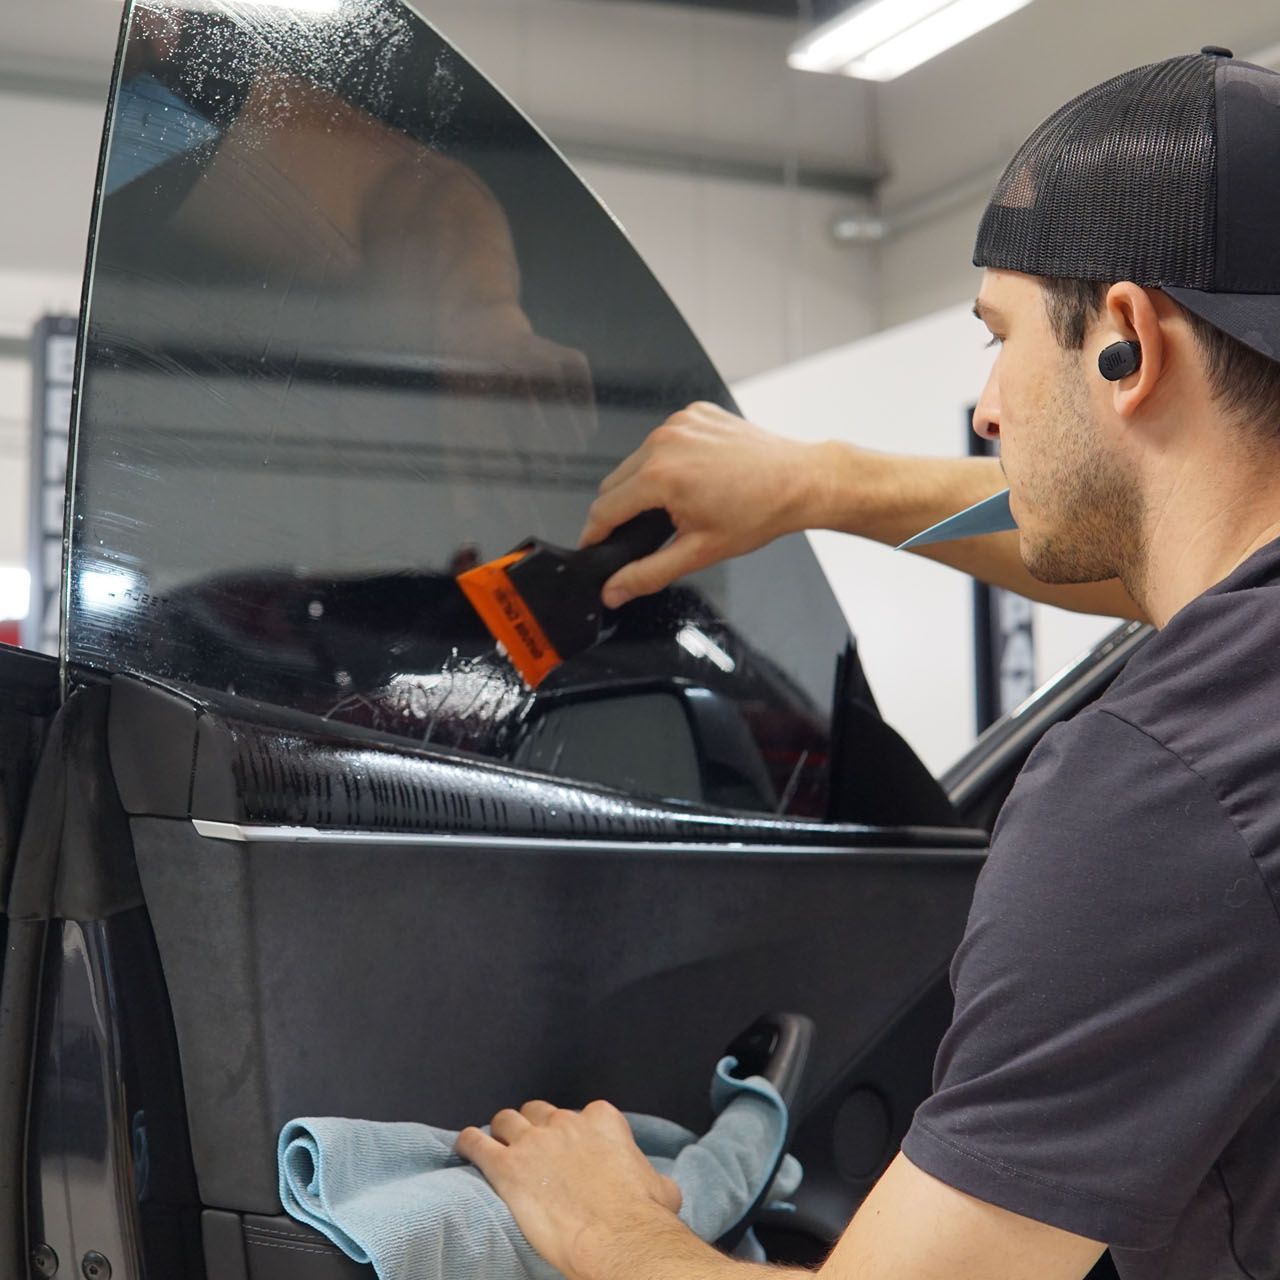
column 669, row 1195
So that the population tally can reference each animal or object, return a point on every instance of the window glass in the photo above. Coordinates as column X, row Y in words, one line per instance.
column 354, row 326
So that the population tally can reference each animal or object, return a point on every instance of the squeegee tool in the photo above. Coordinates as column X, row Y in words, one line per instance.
column 542, row 603
column 991, row 515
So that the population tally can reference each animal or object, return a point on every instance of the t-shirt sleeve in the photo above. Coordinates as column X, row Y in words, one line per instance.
column 1117, row 994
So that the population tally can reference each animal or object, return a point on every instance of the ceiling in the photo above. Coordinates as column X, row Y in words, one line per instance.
column 705, row 81
column 632, row 82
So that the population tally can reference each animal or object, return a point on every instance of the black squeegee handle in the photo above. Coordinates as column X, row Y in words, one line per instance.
column 639, row 537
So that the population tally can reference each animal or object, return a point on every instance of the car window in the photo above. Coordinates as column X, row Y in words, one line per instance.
column 354, row 326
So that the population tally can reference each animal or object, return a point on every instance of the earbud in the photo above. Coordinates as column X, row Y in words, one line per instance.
column 1119, row 360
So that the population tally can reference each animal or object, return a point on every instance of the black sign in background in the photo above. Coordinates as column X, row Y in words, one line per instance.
column 1003, row 634
column 53, row 351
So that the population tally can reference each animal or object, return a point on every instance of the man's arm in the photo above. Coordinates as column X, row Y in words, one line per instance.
column 731, row 487
column 588, row 1201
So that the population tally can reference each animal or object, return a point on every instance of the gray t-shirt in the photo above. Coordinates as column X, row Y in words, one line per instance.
column 1113, row 1067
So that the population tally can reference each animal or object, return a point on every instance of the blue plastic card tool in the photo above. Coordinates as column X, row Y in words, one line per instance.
column 991, row 515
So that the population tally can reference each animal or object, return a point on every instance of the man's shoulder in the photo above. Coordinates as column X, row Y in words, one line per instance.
column 1101, row 786
column 1210, row 659
column 1114, row 972
column 1206, row 691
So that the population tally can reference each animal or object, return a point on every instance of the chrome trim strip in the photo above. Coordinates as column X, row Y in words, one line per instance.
column 241, row 833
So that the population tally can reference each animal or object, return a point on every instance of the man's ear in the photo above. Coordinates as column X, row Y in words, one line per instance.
column 1134, row 314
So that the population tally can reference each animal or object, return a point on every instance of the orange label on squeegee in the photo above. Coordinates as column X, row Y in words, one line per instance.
column 502, row 609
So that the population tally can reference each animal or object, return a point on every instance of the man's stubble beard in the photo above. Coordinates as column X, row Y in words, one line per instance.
column 1090, row 513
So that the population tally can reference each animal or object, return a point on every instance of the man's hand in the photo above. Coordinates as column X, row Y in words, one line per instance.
column 574, row 1181
column 729, row 487
column 591, row 1204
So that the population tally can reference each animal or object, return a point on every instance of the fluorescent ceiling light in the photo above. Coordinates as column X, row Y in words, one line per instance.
column 881, row 39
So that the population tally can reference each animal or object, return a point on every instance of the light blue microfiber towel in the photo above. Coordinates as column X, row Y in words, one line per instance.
column 395, row 1194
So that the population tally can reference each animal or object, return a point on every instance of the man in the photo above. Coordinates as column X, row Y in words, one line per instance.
column 1112, row 1074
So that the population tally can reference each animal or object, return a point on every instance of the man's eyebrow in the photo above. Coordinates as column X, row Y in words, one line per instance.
column 987, row 313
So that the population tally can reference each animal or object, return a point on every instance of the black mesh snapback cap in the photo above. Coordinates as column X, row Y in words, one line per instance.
column 1168, row 176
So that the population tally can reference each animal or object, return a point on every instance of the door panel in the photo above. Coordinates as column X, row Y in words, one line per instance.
column 441, row 979
column 327, row 952
column 351, row 926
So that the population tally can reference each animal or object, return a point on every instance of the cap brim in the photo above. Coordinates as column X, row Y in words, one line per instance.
column 1251, row 318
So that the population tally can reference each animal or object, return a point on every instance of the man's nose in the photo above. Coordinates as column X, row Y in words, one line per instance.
column 986, row 414
column 986, row 426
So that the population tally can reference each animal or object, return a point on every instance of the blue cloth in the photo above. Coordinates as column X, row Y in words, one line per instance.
column 395, row 1194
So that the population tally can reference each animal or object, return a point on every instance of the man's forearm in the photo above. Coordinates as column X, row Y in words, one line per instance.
column 890, row 497
column 661, row 1247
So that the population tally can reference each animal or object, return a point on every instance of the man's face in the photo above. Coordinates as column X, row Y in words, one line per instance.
column 1073, row 491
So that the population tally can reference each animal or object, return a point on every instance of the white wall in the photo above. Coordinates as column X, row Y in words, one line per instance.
column 929, row 267
column 906, row 390
column 753, row 268
column 14, row 431
column 48, row 154
column 48, row 151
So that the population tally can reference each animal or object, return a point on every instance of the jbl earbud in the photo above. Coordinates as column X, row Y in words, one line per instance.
column 1119, row 360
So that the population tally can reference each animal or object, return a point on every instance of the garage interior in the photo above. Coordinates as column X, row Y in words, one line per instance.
column 282, row 831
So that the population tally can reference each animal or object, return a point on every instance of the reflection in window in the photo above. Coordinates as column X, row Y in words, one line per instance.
column 354, row 328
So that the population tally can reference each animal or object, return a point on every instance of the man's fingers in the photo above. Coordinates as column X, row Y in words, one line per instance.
column 483, row 1151
column 538, row 1112
column 626, row 468
column 617, row 507
column 605, row 1118
column 604, row 1112
column 508, row 1125
column 643, row 577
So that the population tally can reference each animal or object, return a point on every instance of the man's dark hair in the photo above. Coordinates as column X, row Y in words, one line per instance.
column 1242, row 380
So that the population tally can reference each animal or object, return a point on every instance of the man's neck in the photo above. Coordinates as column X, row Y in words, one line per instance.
column 1199, row 532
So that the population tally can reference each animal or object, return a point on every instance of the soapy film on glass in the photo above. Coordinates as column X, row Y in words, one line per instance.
column 354, row 328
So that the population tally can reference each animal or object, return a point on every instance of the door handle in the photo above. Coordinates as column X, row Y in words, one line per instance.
column 775, row 1046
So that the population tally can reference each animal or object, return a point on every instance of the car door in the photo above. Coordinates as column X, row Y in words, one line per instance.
column 304, row 844
column 28, row 703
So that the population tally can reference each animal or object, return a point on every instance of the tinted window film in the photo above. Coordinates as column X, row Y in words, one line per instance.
column 354, row 326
